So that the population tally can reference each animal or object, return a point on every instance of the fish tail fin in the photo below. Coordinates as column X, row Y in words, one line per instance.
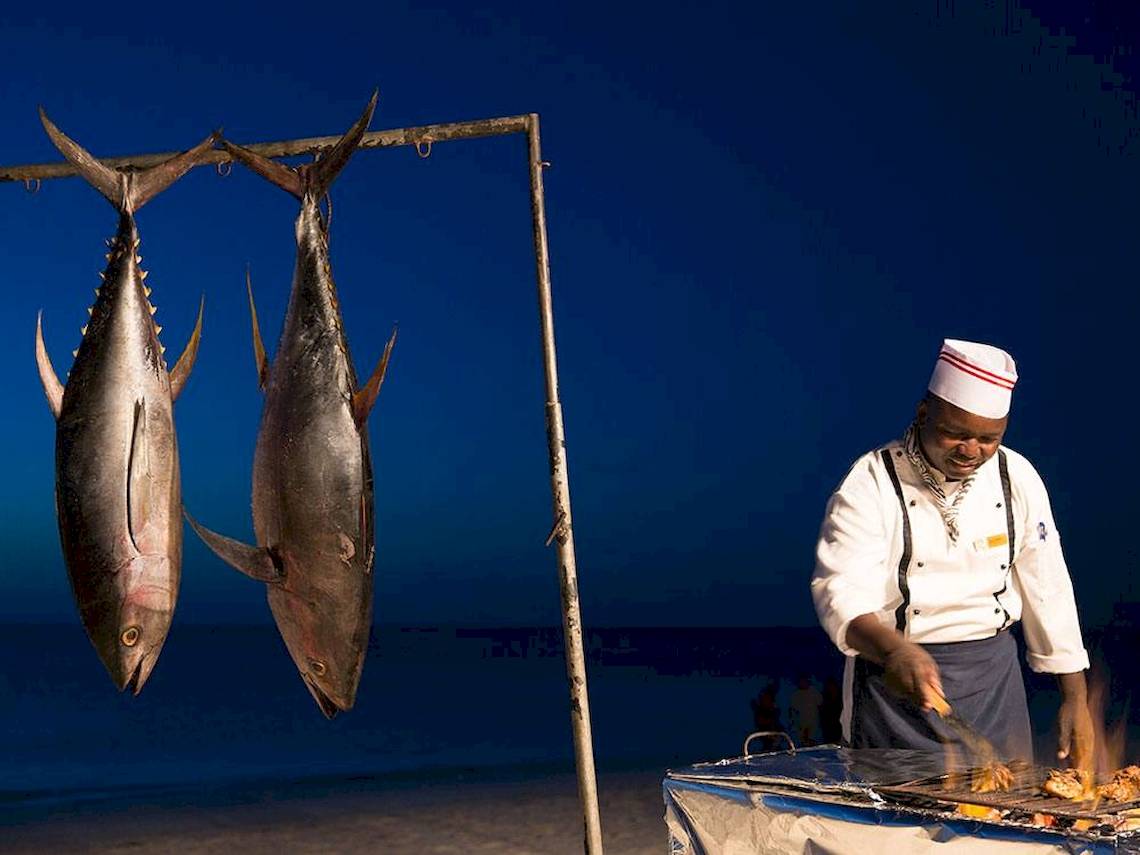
column 151, row 182
column 313, row 179
column 272, row 171
column 127, row 191
column 321, row 174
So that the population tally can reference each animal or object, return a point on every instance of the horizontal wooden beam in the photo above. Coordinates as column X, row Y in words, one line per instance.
column 418, row 136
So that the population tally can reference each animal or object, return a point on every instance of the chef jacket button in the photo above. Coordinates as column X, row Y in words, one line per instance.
column 998, row 505
column 919, row 563
column 913, row 503
column 918, row 611
column 997, row 611
column 1003, row 567
column 898, row 454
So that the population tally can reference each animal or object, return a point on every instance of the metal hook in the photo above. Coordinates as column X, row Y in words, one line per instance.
column 32, row 185
column 224, row 167
column 423, row 148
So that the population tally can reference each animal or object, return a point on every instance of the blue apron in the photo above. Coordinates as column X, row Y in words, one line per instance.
column 981, row 679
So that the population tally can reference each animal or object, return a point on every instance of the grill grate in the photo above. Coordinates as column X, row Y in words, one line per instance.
column 1023, row 797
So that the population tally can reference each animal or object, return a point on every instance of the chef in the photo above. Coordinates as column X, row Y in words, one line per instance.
column 932, row 547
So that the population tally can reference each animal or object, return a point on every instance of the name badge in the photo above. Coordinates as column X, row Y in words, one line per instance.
column 991, row 542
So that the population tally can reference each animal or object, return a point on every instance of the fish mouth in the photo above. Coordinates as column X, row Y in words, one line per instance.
column 328, row 706
column 138, row 677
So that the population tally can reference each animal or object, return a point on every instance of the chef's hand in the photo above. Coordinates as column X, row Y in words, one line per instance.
column 910, row 671
column 1076, row 737
column 913, row 673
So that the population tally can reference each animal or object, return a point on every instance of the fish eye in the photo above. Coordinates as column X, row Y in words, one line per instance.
column 318, row 667
column 130, row 636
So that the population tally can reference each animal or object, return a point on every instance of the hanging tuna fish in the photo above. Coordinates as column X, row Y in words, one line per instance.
column 117, row 490
column 312, row 475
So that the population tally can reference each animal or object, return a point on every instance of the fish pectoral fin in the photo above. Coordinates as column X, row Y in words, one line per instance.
column 138, row 477
column 53, row 389
column 185, row 363
column 254, row 561
column 365, row 398
column 258, row 346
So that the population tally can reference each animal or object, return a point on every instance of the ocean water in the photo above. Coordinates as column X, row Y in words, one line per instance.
column 225, row 705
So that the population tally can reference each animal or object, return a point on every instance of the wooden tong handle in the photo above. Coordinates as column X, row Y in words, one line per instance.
column 939, row 703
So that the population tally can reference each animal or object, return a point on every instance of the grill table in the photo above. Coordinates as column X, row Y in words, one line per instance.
column 836, row 800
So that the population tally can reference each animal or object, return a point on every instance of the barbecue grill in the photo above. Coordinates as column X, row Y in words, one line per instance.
column 830, row 799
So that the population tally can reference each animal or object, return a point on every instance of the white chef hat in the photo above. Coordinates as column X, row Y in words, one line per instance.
column 979, row 378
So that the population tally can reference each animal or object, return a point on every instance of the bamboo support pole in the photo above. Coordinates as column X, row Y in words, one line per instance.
column 563, row 532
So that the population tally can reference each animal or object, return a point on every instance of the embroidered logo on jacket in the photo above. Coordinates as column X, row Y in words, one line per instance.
column 1042, row 532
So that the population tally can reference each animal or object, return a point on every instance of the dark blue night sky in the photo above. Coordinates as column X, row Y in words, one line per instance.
column 763, row 220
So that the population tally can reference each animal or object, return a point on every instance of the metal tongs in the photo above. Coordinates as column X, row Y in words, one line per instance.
column 981, row 747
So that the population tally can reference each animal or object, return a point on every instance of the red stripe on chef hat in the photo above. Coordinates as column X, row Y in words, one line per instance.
column 978, row 378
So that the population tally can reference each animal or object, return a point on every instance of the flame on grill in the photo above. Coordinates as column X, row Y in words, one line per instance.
column 973, row 765
column 1104, row 762
column 1108, row 753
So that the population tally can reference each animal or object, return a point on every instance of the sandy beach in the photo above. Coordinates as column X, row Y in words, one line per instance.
column 510, row 812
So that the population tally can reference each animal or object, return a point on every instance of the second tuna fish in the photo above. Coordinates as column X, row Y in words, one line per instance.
column 312, row 474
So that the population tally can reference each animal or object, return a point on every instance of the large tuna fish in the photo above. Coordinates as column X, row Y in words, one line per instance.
column 117, row 491
column 312, row 476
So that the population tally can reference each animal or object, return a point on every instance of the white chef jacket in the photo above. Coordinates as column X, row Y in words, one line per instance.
column 947, row 591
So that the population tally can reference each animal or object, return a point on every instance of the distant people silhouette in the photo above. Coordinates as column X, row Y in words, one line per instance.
column 831, row 731
column 803, row 711
column 766, row 715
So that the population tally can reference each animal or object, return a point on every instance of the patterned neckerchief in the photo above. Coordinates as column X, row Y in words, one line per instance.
column 947, row 507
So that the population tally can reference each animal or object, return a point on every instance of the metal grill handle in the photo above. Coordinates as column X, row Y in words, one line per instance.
column 751, row 736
